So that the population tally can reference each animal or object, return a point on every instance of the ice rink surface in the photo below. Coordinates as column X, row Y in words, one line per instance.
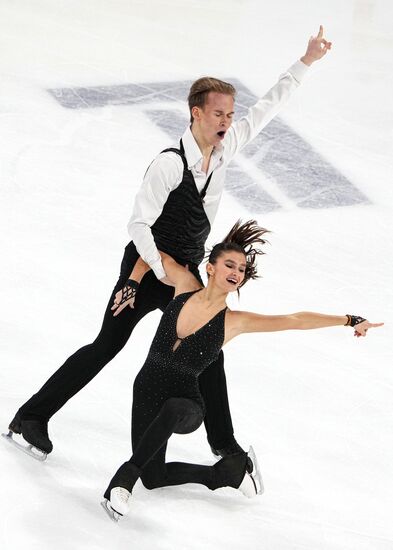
column 90, row 92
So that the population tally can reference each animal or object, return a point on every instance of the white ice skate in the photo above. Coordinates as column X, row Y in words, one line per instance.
column 117, row 506
column 26, row 448
column 252, row 484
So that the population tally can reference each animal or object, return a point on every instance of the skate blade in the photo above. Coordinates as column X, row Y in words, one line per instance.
column 115, row 516
column 28, row 449
column 247, row 487
column 256, row 473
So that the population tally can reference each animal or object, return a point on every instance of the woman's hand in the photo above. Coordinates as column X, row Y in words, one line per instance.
column 362, row 328
column 125, row 297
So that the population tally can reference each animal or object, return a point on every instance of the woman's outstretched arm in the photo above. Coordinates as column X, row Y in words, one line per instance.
column 241, row 321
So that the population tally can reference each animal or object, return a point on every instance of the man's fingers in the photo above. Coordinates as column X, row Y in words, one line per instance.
column 320, row 33
column 325, row 45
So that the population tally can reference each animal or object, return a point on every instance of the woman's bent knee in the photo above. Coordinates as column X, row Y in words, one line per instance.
column 152, row 480
column 186, row 414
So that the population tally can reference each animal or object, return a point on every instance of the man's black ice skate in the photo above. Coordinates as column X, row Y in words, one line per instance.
column 252, row 483
column 35, row 432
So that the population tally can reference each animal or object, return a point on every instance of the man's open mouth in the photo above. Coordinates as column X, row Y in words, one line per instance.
column 221, row 133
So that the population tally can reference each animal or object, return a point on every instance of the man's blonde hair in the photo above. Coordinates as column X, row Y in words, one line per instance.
column 200, row 89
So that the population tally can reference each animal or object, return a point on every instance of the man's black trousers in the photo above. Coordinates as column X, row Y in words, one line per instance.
column 87, row 362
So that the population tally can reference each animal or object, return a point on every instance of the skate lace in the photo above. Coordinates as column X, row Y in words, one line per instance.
column 122, row 494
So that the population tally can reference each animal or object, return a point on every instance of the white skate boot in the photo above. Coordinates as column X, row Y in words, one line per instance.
column 117, row 506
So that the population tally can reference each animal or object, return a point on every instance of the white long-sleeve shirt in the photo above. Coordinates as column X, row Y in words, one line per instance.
column 166, row 171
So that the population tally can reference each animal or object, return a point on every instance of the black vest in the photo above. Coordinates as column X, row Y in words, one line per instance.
column 182, row 228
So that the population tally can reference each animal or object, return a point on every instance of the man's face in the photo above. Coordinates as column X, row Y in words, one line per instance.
column 215, row 117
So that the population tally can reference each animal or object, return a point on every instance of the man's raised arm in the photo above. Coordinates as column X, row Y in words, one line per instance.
column 259, row 115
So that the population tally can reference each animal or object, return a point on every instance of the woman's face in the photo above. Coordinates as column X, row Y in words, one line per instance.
column 228, row 271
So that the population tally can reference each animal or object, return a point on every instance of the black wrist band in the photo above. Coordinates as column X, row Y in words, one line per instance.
column 354, row 320
column 132, row 283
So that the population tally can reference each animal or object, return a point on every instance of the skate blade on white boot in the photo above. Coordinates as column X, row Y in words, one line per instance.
column 117, row 506
column 28, row 448
column 256, row 473
column 115, row 516
column 252, row 484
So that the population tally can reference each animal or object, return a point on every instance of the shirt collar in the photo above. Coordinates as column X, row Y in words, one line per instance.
column 192, row 151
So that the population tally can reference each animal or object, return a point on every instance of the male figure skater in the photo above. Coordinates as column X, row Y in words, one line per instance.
column 173, row 212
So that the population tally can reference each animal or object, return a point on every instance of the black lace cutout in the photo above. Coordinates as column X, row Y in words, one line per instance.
column 128, row 291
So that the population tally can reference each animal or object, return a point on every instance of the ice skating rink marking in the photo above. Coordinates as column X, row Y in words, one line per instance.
column 278, row 169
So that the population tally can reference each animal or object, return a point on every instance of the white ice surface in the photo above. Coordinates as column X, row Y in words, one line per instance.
column 317, row 406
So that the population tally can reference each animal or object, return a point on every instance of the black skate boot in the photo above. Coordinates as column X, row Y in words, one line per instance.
column 232, row 449
column 35, row 432
column 119, row 491
column 230, row 470
column 235, row 471
column 15, row 424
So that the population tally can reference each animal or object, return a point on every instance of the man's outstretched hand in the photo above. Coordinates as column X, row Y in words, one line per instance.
column 316, row 49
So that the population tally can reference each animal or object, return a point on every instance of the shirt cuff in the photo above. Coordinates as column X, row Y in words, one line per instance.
column 158, row 269
column 298, row 70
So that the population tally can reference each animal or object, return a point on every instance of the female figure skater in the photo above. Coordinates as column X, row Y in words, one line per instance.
column 193, row 329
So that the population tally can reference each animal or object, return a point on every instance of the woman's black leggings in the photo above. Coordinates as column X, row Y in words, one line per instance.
column 182, row 416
